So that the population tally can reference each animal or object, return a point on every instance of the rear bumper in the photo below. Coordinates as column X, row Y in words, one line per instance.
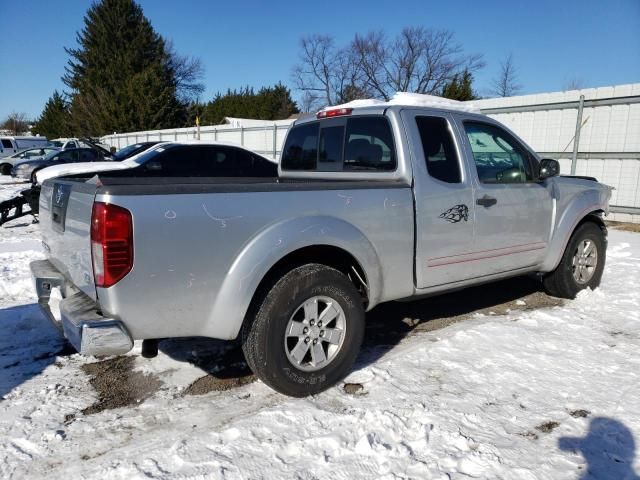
column 80, row 319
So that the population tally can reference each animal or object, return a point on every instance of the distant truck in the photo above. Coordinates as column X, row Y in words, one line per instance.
column 11, row 145
column 374, row 202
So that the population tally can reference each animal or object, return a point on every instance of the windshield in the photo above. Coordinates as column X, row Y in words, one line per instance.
column 126, row 152
column 146, row 155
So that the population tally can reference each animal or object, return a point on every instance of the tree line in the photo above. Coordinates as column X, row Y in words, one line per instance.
column 124, row 76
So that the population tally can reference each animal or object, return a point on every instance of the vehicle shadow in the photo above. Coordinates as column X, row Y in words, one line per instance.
column 388, row 324
column 28, row 345
column 608, row 448
column 219, row 358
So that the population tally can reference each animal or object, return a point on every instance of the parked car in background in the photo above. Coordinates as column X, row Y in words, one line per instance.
column 27, row 169
column 11, row 145
column 374, row 202
column 7, row 163
column 177, row 159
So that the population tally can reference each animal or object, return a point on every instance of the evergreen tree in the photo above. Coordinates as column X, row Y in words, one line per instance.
column 54, row 121
column 270, row 103
column 459, row 88
column 122, row 76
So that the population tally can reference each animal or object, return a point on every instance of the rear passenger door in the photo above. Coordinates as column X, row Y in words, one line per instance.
column 444, row 200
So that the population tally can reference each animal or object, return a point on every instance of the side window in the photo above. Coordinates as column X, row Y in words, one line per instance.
column 88, row 156
column 499, row 158
column 6, row 143
column 439, row 150
column 178, row 162
column 65, row 156
column 369, row 145
column 301, row 149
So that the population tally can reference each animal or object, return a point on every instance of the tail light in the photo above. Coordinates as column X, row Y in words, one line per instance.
column 111, row 243
column 336, row 112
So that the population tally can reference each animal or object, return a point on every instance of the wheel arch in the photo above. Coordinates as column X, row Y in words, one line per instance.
column 270, row 254
column 592, row 213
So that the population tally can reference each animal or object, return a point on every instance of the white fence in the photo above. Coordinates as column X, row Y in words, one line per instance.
column 594, row 132
column 266, row 140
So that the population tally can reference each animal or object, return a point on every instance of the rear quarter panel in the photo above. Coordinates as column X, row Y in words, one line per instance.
column 198, row 258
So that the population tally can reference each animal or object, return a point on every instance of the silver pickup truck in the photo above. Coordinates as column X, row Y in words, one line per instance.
column 372, row 203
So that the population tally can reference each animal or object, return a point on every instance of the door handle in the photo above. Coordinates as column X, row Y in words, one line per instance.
column 486, row 201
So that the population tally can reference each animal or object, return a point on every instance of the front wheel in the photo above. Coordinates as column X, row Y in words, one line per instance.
column 306, row 332
column 581, row 265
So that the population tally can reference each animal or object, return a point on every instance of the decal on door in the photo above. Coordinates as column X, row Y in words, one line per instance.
column 456, row 214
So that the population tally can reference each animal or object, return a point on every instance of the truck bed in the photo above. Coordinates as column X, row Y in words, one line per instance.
column 191, row 237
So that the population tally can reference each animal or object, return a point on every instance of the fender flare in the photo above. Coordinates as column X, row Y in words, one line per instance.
column 272, row 244
column 582, row 207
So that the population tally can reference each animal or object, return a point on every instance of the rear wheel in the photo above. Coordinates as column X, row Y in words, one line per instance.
column 306, row 332
column 33, row 176
column 581, row 265
column 5, row 169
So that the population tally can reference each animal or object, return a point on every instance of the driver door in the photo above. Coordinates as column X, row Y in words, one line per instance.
column 513, row 210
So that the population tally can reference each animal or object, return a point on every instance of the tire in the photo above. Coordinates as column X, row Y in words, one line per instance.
column 567, row 280
column 272, row 355
column 33, row 176
column 5, row 169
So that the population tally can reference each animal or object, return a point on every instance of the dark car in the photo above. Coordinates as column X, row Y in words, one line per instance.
column 131, row 150
column 26, row 170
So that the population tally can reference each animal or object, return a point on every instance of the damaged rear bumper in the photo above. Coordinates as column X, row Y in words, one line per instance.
column 79, row 317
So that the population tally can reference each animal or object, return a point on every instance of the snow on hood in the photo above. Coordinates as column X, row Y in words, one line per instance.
column 82, row 167
column 413, row 100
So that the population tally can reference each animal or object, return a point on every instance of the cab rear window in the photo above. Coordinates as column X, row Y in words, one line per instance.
column 354, row 144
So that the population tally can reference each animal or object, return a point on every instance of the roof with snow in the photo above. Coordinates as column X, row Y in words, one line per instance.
column 412, row 100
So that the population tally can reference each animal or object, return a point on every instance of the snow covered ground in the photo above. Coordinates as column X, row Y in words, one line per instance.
column 542, row 393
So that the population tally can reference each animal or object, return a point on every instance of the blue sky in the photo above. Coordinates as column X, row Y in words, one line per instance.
column 256, row 43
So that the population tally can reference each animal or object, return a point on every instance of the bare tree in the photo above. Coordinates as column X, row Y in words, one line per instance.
column 506, row 84
column 16, row 123
column 309, row 101
column 325, row 73
column 188, row 73
column 574, row 83
column 419, row 60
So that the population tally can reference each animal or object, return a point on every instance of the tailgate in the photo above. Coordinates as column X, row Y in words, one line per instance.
column 65, row 222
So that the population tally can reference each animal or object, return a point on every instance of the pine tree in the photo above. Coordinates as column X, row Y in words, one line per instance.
column 121, row 76
column 54, row 121
column 270, row 103
column 459, row 88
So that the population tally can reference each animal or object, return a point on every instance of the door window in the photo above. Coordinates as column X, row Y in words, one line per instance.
column 66, row 156
column 6, row 143
column 439, row 149
column 88, row 156
column 499, row 158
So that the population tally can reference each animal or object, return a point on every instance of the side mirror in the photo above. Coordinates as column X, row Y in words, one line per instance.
column 548, row 168
column 153, row 166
